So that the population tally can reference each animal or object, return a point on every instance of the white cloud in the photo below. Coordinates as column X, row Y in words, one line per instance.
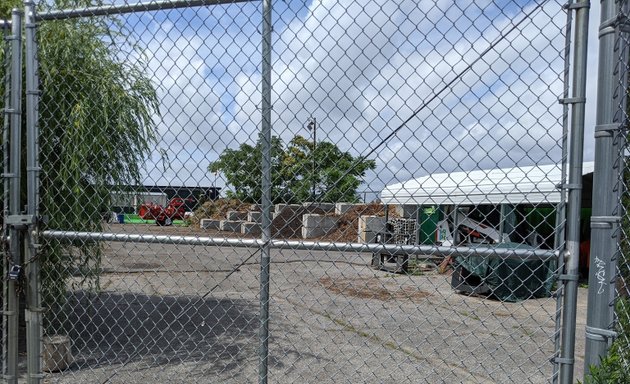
column 362, row 68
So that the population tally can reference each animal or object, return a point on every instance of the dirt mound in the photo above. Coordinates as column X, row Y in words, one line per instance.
column 287, row 224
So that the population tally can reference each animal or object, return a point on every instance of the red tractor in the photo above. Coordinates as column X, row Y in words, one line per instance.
column 175, row 210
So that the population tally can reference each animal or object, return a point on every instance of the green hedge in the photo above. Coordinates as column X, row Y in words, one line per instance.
column 615, row 367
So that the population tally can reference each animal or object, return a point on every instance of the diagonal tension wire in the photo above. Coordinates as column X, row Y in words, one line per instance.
column 458, row 76
column 425, row 104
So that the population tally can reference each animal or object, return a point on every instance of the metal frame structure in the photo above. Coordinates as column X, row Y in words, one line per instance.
column 574, row 188
column 610, row 130
column 6, row 33
column 33, row 297
column 12, row 180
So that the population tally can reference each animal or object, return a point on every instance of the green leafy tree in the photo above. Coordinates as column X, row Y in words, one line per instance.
column 300, row 171
column 96, row 128
column 243, row 168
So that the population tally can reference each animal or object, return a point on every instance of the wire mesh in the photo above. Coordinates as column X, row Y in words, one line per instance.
column 614, row 364
column 150, row 126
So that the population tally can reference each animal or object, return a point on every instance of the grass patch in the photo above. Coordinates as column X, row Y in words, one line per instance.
column 135, row 219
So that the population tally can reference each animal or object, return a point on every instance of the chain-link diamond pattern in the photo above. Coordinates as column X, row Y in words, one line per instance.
column 416, row 153
column 615, row 363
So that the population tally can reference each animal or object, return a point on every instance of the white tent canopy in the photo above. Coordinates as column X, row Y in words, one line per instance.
column 519, row 185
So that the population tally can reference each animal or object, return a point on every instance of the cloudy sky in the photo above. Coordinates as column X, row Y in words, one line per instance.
column 362, row 68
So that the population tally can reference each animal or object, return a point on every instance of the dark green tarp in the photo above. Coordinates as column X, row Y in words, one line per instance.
column 512, row 279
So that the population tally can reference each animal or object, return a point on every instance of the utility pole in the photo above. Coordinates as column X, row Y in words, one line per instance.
column 312, row 126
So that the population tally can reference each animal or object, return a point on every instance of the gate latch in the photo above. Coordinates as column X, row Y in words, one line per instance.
column 20, row 221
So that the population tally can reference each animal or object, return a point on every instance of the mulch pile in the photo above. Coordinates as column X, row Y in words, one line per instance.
column 288, row 223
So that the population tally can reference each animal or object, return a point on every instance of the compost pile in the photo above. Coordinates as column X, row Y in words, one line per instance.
column 287, row 224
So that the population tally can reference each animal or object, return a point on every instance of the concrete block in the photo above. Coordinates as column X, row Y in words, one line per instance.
column 288, row 207
column 314, row 225
column 254, row 217
column 407, row 211
column 309, row 233
column 367, row 237
column 324, row 207
column 341, row 208
column 236, row 215
column 210, row 224
column 311, row 220
column 230, row 225
column 374, row 224
column 248, row 228
column 57, row 353
column 369, row 227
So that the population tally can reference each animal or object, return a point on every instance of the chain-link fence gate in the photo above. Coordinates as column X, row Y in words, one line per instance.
column 197, row 214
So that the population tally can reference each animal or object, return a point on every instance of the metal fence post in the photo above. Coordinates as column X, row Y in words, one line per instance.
column 574, row 188
column 12, row 312
column 33, row 307
column 559, row 240
column 6, row 30
column 265, row 257
column 601, row 273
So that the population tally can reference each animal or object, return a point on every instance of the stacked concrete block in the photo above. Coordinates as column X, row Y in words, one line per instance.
column 283, row 208
column 236, row 215
column 341, row 208
column 210, row 224
column 314, row 225
column 286, row 210
column 288, row 219
column 254, row 217
column 279, row 208
column 230, row 225
column 369, row 227
column 407, row 211
column 253, row 229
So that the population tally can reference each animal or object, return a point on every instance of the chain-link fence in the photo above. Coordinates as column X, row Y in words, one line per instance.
column 198, row 196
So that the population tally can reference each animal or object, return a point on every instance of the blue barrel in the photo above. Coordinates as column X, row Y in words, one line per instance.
column 121, row 218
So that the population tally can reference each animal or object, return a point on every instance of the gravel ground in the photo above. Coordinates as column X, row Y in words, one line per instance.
column 182, row 314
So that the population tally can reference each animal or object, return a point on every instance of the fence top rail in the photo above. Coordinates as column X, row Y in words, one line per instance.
column 141, row 6
column 502, row 253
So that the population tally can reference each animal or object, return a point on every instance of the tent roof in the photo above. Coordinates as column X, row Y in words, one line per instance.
column 517, row 185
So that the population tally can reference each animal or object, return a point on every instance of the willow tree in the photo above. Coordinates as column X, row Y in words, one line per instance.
column 96, row 118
